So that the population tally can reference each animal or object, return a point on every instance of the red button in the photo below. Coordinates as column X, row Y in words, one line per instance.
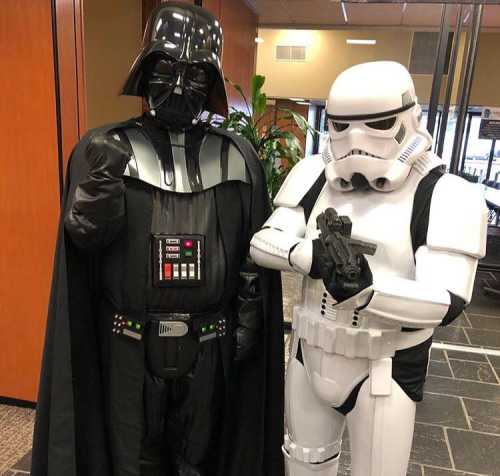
column 188, row 244
column 167, row 271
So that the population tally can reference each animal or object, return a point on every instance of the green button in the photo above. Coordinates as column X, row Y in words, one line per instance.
column 188, row 253
column 212, row 327
column 204, row 329
column 137, row 326
column 129, row 323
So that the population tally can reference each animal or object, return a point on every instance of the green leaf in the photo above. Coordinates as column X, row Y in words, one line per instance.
column 259, row 99
column 257, row 83
column 278, row 148
column 300, row 120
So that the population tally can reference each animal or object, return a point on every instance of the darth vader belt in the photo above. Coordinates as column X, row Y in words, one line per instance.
column 200, row 326
column 203, row 326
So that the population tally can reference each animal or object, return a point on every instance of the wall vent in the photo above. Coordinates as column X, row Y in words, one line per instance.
column 290, row 53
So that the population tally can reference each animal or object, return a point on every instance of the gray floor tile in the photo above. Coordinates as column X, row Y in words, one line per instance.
column 461, row 321
column 438, row 355
column 441, row 369
column 429, row 446
column 24, row 464
column 483, row 416
column 463, row 388
column 454, row 335
column 429, row 471
column 479, row 371
column 414, row 470
column 458, row 355
column 484, row 338
column 483, row 322
column 482, row 304
column 495, row 361
column 475, row 452
column 441, row 410
column 345, row 466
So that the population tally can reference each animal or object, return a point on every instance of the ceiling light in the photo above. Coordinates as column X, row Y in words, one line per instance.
column 259, row 40
column 344, row 11
column 351, row 41
column 303, row 103
column 297, row 99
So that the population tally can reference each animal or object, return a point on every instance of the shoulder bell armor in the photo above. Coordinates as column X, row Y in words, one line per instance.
column 218, row 161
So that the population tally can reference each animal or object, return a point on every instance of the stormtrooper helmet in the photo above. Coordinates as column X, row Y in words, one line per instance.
column 375, row 135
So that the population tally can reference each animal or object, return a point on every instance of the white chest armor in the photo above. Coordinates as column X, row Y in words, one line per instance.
column 377, row 217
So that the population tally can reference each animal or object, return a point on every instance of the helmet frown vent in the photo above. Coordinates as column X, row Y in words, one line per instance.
column 401, row 134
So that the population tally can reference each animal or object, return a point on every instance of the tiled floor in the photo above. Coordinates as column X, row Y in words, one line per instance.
column 458, row 424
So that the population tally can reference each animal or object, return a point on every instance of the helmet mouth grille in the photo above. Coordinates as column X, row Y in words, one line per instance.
column 359, row 152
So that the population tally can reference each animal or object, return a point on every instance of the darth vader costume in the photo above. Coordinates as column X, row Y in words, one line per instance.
column 164, row 344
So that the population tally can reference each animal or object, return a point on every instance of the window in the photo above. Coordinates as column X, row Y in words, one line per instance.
column 477, row 150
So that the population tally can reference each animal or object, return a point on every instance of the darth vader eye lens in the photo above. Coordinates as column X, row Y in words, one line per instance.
column 164, row 67
column 195, row 73
column 340, row 126
column 383, row 124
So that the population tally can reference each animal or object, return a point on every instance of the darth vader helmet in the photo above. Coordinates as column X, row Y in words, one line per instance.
column 375, row 133
column 179, row 70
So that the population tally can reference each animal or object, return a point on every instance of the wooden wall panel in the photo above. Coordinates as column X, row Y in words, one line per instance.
column 71, row 73
column 113, row 38
column 29, row 190
column 239, row 25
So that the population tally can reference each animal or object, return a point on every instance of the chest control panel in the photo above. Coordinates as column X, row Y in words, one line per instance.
column 178, row 260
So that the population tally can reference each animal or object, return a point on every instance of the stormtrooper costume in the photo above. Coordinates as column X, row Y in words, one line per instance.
column 360, row 359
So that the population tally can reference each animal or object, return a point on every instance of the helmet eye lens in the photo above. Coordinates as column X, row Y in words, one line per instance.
column 340, row 126
column 197, row 74
column 164, row 67
column 383, row 124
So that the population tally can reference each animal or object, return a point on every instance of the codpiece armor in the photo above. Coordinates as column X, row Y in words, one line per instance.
column 359, row 353
column 172, row 345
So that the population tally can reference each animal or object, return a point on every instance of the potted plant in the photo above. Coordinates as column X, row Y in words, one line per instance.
column 277, row 148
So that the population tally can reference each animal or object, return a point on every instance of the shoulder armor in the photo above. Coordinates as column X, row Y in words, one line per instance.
column 458, row 217
column 299, row 181
column 218, row 161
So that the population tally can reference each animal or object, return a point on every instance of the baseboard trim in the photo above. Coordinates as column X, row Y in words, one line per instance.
column 15, row 402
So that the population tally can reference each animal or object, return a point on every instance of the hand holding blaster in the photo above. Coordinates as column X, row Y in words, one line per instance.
column 342, row 264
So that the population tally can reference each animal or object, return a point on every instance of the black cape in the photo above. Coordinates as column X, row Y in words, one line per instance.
column 71, row 437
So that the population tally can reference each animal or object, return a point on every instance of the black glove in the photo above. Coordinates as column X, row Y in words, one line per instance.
column 247, row 333
column 337, row 285
column 108, row 156
column 97, row 207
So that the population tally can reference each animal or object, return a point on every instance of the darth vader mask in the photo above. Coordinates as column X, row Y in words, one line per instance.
column 176, row 91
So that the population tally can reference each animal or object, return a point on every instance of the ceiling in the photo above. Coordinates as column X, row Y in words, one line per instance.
column 328, row 13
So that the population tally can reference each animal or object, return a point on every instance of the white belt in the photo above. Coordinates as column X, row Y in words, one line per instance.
column 343, row 337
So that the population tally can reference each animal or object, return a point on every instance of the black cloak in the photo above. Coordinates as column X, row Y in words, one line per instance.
column 71, row 436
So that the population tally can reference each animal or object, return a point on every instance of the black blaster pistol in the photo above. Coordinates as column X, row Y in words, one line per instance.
column 344, row 251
